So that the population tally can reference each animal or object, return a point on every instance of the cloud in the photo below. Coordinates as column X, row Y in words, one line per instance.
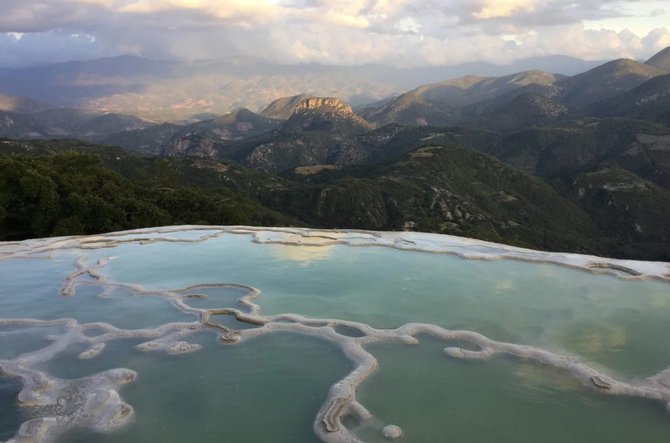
column 504, row 8
column 658, row 12
column 398, row 32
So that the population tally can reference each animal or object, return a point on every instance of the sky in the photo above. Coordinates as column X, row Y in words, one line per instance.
column 401, row 33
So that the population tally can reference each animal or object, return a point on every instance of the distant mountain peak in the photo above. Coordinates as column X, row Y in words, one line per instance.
column 327, row 104
column 241, row 114
column 624, row 66
column 533, row 77
column 435, row 104
column 607, row 80
column 240, row 118
column 283, row 108
column 464, row 82
column 326, row 112
column 661, row 60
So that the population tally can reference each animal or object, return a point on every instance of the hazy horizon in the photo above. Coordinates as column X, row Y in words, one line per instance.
column 233, row 58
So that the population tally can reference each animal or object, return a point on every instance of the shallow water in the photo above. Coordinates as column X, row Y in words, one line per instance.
column 11, row 417
column 270, row 388
column 435, row 398
column 15, row 341
column 600, row 317
column 259, row 392
column 26, row 285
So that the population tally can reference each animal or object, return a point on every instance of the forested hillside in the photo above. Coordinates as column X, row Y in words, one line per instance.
column 70, row 187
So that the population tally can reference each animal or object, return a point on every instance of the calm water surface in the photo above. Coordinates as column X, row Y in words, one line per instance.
column 269, row 389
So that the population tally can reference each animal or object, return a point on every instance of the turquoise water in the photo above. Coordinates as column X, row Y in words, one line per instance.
column 435, row 398
column 599, row 317
column 259, row 392
column 269, row 388
column 214, row 297
column 19, row 340
column 26, row 285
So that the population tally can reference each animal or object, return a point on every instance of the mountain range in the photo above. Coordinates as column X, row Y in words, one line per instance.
column 549, row 161
column 162, row 91
column 503, row 103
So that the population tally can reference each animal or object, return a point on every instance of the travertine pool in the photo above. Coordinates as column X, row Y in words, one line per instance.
column 292, row 335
